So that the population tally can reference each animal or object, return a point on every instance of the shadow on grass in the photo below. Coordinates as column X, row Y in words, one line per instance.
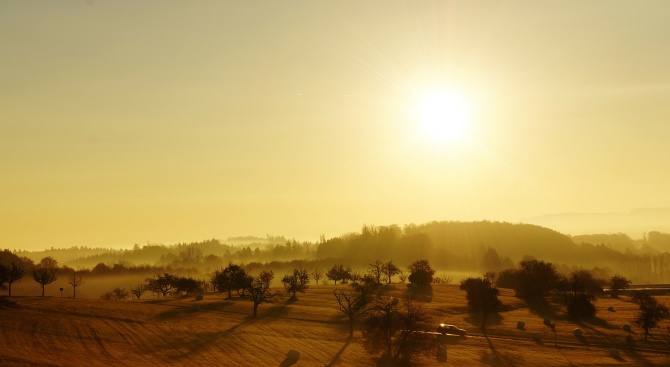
column 496, row 358
column 543, row 308
column 217, row 306
column 200, row 341
column 336, row 357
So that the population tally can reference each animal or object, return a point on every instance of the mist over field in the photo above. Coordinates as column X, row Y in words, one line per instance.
column 381, row 183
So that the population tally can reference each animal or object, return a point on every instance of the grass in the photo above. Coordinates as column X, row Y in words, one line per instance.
column 168, row 332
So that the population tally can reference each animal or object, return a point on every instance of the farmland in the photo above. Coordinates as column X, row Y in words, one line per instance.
column 54, row 331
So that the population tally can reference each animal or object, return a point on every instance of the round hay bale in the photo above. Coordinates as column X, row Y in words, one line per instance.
column 394, row 301
column 614, row 352
column 610, row 309
column 199, row 297
column 293, row 355
column 577, row 332
column 521, row 325
column 627, row 328
column 547, row 321
column 195, row 307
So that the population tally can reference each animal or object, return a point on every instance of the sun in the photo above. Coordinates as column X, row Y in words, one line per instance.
column 443, row 116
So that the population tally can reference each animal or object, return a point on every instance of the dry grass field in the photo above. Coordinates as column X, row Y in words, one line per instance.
column 53, row 331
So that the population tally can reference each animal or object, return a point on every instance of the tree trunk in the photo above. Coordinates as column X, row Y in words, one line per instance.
column 10, row 289
column 42, row 290
column 74, row 292
column 255, row 309
column 646, row 332
column 351, row 327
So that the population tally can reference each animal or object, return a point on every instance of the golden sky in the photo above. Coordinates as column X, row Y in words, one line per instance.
column 124, row 122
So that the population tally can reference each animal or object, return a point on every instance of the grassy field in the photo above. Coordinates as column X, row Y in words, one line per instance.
column 54, row 331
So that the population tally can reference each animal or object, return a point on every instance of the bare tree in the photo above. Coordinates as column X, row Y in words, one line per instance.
column 75, row 282
column 376, row 270
column 120, row 294
column 45, row 272
column 402, row 276
column 317, row 274
column 259, row 290
column 138, row 291
column 352, row 305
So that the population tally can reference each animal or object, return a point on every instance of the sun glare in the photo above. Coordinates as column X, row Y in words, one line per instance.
column 443, row 117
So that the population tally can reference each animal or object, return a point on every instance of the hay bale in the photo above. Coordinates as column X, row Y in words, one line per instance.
column 195, row 307
column 199, row 297
column 547, row 321
column 627, row 328
column 536, row 336
column 614, row 353
column 521, row 325
column 577, row 332
column 394, row 301
column 610, row 309
column 293, row 355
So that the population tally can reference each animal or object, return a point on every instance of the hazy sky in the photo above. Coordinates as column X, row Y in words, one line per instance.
column 124, row 122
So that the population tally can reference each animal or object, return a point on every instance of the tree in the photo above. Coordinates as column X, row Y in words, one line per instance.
column 296, row 282
column 352, row 305
column 138, row 291
column 397, row 331
column 3, row 277
column 535, row 279
column 75, row 282
column 13, row 274
column 259, row 291
column 45, row 272
column 482, row 297
column 186, row 285
column 317, row 274
column 651, row 313
column 421, row 273
column 390, row 269
column 376, row 270
column 120, row 294
column 231, row 278
column 580, row 295
column 617, row 283
column 161, row 283
column 339, row 272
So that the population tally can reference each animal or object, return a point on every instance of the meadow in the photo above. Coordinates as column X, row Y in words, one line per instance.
column 171, row 331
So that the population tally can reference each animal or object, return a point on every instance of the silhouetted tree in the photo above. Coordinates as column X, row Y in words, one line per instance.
column 390, row 269
column 296, row 282
column 13, row 274
column 376, row 270
column 231, row 278
column 3, row 277
column 651, row 313
column 161, row 283
column 398, row 331
column 339, row 272
column 482, row 297
column 138, row 291
column 259, row 290
column 351, row 304
column 120, row 294
column 45, row 272
column 187, row 285
column 317, row 274
column 75, row 282
column 535, row 279
column 617, row 283
column 421, row 273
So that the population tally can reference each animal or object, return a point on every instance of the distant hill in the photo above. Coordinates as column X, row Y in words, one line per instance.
column 635, row 223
